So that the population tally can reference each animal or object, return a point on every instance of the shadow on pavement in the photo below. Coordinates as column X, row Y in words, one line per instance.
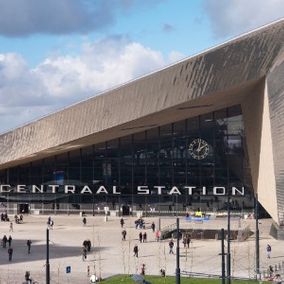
column 38, row 252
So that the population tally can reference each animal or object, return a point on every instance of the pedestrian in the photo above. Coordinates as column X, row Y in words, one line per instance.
column 84, row 221
column 136, row 224
column 84, row 253
column 27, row 277
column 121, row 222
column 89, row 245
column 135, row 250
column 184, row 241
column 171, row 246
column 144, row 237
column 140, row 237
column 158, row 235
column 123, row 235
column 188, row 240
column 29, row 243
column 4, row 241
column 143, row 269
column 163, row 272
column 48, row 221
column 10, row 253
column 153, row 226
column 268, row 250
column 277, row 279
column 11, row 227
column 10, row 240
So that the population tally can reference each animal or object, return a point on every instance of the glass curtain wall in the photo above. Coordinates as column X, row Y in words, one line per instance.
column 208, row 150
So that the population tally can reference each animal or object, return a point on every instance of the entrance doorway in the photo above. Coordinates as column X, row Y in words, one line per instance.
column 125, row 210
column 23, row 208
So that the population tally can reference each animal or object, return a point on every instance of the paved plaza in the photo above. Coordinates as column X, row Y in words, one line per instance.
column 110, row 255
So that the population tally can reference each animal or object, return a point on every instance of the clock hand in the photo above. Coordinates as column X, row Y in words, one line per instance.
column 199, row 144
column 202, row 147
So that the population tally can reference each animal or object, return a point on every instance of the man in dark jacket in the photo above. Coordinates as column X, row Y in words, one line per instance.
column 29, row 244
column 10, row 253
column 171, row 246
column 135, row 250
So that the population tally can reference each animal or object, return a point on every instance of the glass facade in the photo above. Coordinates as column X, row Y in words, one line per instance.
column 204, row 151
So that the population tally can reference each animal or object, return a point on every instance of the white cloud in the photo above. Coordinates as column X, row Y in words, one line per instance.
column 61, row 80
column 233, row 17
column 26, row 17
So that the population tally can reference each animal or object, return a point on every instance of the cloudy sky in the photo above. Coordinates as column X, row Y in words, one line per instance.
column 54, row 53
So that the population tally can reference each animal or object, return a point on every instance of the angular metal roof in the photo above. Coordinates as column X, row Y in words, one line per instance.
column 207, row 81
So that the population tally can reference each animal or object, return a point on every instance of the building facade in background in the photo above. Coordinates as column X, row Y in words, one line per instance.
column 179, row 139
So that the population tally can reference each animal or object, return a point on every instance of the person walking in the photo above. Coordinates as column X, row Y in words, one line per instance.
column 153, row 226
column 188, row 240
column 184, row 241
column 11, row 227
column 84, row 253
column 158, row 235
column 135, row 250
column 10, row 240
column 145, row 237
column 10, row 253
column 268, row 250
column 171, row 246
column 121, row 222
column 4, row 241
column 84, row 221
column 143, row 269
column 123, row 233
column 140, row 237
column 29, row 244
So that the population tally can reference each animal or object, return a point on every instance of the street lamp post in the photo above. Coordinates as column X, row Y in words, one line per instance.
column 256, row 237
column 223, row 256
column 229, row 242
column 47, row 258
column 177, row 254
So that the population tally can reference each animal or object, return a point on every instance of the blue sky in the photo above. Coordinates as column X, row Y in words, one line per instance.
column 54, row 53
column 164, row 26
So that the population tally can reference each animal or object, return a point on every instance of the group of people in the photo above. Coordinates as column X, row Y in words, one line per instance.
column 19, row 219
column 5, row 217
column 139, row 223
column 272, row 275
column 86, row 248
column 10, row 251
column 6, row 240
column 143, row 237
column 186, row 241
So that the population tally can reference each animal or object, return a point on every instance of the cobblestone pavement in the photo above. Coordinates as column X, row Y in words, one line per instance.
column 110, row 255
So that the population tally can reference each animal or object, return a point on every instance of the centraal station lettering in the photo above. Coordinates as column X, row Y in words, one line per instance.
column 143, row 190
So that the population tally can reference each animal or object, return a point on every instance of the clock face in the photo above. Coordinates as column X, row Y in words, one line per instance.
column 198, row 149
